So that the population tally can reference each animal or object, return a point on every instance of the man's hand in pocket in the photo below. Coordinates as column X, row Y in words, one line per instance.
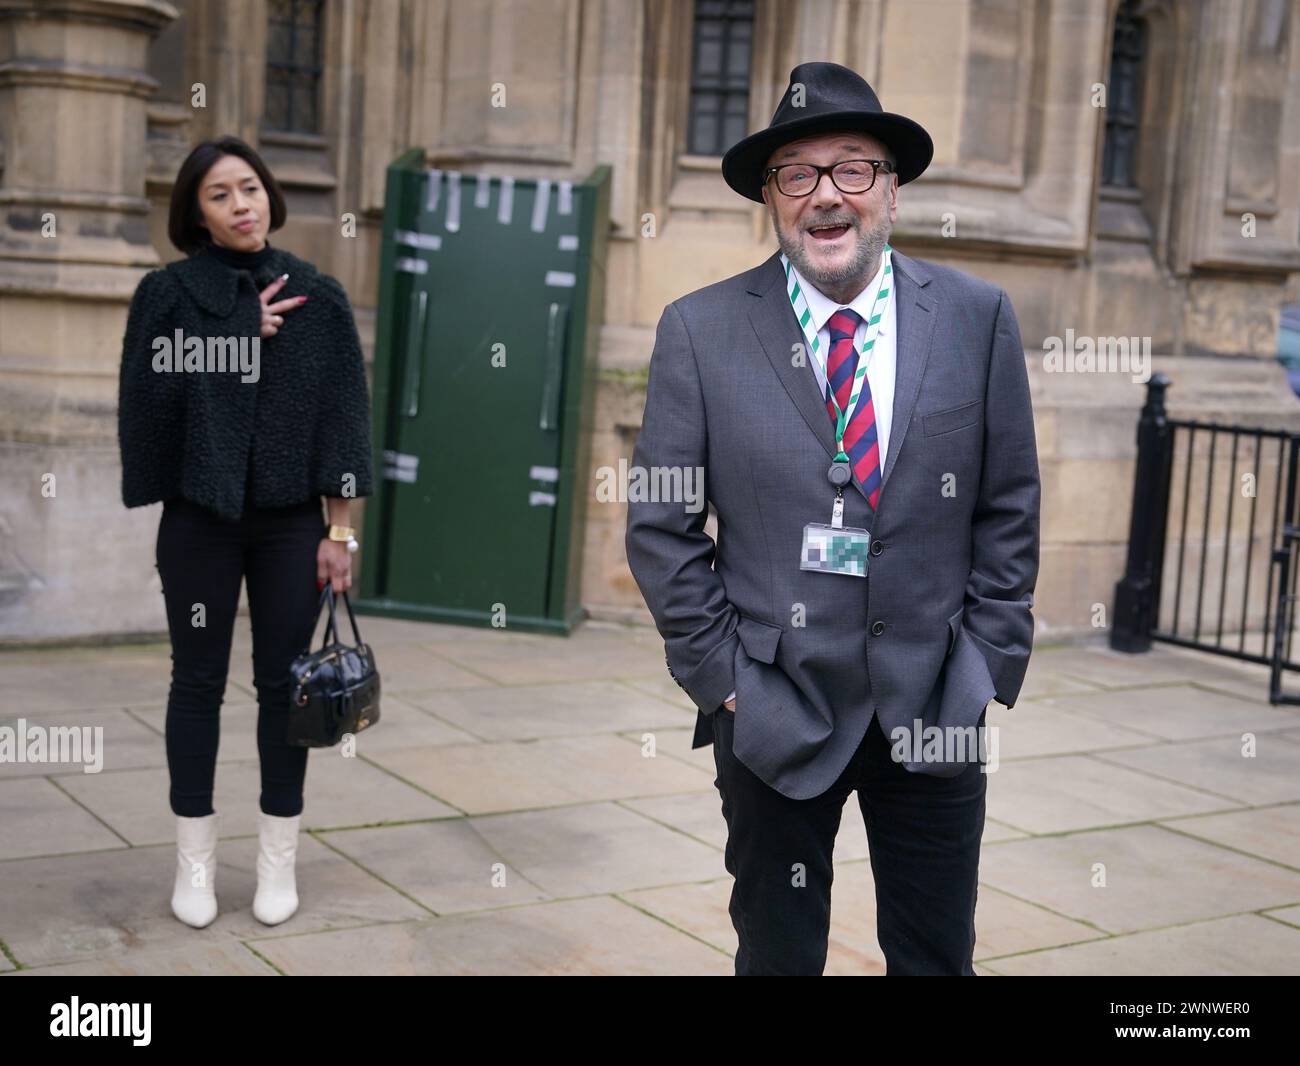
column 730, row 704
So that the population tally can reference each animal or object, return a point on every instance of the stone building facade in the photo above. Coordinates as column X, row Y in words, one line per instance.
column 1125, row 169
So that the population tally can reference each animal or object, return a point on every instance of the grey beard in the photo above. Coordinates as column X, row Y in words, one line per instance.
column 870, row 248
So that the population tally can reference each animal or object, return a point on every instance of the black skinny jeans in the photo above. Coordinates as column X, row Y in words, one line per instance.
column 201, row 559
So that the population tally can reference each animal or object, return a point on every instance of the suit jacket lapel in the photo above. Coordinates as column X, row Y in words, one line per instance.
column 915, row 316
column 778, row 331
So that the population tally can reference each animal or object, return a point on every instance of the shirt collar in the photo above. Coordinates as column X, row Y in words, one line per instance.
column 822, row 306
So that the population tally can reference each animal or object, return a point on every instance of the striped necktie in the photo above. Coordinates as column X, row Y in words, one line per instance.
column 860, row 443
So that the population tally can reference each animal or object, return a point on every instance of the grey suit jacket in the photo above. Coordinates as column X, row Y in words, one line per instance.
column 941, row 624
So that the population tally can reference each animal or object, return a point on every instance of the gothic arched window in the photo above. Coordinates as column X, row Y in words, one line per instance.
column 293, row 65
column 724, row 33
column 1124, row 97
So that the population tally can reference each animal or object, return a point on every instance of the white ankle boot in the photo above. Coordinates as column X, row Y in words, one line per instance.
column 194, row 896
column 277, row 891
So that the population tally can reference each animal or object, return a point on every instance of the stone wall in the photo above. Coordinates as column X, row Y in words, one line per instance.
column 97, row 110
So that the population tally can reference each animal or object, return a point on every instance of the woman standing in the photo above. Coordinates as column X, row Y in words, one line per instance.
column 242, row 403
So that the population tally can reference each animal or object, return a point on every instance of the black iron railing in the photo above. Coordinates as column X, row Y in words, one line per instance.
column 1214, row 541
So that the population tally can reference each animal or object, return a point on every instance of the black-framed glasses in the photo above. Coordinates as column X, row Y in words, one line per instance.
column 849, row 175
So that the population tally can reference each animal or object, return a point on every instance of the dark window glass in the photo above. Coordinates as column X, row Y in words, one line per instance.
column 1124, row 97
column 293, row 65
column 720, row 57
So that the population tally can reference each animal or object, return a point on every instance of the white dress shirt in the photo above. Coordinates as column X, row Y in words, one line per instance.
column 882, row 362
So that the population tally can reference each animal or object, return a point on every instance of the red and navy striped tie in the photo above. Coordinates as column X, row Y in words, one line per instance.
column 860, row 443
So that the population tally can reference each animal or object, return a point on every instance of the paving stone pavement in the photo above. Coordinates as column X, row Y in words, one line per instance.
column 531, row 804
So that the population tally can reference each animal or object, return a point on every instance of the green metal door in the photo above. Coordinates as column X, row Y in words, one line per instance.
column 484, row 375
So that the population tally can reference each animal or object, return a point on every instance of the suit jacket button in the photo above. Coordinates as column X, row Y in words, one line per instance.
column 877, row 546
column 877, row 628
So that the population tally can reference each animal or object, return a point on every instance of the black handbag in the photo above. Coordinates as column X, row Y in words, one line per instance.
column 336, row 689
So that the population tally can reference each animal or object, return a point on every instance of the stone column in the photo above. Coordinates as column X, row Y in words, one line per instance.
column 74, row 241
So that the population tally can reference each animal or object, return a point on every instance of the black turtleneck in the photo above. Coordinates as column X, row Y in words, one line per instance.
column 238, row 260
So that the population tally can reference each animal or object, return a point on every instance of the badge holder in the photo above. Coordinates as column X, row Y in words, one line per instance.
column 839, row 549
column 836, row 548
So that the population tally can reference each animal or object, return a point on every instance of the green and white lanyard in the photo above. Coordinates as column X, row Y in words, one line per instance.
column 804, row 314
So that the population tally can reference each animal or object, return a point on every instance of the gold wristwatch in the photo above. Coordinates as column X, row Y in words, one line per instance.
column 345, row 534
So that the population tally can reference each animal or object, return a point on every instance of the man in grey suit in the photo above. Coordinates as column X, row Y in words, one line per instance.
column 862, row 424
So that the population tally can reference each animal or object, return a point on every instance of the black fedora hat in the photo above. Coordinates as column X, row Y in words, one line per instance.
column 832, row 98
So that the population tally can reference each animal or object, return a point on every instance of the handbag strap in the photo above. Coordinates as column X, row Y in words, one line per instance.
column 356, row 633
column 332, row 626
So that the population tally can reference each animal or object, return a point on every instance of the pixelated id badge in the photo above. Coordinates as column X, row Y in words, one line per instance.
column 836, row 548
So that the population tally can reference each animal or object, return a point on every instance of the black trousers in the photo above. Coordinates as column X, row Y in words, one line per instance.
column 923, row 833
column 202, row 559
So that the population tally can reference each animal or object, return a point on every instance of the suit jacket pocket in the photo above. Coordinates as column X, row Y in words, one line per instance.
column 967, row 685
column 954, row 627
column 954, row 418
column 775, row 730
column 759, row 639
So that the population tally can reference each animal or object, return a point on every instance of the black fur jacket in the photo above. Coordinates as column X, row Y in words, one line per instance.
column 269, row 431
